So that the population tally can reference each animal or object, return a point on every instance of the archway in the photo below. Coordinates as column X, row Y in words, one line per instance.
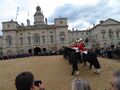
column 44, row 49
column 30, row 51
column 37, row 51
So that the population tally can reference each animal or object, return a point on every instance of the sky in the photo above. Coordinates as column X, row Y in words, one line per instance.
column 81, row 14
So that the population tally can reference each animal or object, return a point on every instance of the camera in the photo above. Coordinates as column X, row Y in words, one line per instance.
column 37, row 82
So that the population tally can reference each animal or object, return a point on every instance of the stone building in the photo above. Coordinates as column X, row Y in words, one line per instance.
column 106, row 33
column 20, row 39
column 40, row 37
column 0, row 45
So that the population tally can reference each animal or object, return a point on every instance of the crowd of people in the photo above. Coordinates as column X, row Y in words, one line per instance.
column 8, row 57
column 25, row 81
column 109, row 52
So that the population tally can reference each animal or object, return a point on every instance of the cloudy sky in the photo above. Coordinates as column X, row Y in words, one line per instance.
column 81, row 14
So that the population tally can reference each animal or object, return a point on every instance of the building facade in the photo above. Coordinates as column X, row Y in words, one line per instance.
column 20, row 39
column 40, row 37
column 106, row 33
column 1, row 45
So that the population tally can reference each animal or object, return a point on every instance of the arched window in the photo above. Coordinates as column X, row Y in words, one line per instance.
column 36, row 38
column 62, row 36
column 9, row 40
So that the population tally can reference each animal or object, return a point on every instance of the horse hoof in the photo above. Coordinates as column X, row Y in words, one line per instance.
column 72, row 73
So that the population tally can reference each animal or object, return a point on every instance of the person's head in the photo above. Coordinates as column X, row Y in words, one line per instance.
column 24, row 81
column 115, row 84
column 79, row 84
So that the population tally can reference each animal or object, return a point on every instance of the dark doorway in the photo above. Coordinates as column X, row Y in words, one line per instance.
column 112, row 46
column 37, row 51
column 44, row 49
column 30, row 51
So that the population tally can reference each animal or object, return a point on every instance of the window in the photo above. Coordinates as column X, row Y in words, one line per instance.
column 51, row 38
column 21, row 40
column 8, row 25
column 29, row 40
column 28, row 33
column 111, row 35
column 21, row 34
column 117, row 35
column 9, row 40
column 103, row 31
column 82, row 33
column 36, row 38
column 62, row 36
column 104, row 44
column 86, row 33
column 9, row 52
column 43, row 39
column 60, row 22
column 21, row 52
column 118, row 43
column 103, row 36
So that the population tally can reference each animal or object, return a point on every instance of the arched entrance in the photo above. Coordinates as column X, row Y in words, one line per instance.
column 30, row 51
column 44, row 49
column 37, row 51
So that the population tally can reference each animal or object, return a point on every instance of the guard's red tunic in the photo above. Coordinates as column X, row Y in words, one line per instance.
column 81, row 46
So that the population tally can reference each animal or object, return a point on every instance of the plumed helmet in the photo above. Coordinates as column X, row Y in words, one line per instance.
column 80, row 39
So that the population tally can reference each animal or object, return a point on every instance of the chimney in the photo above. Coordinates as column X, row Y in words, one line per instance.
column 93, row 25
column 28, row 22
column 101, row 21
column 72, row 29
column 45, row 20
column 22, row 24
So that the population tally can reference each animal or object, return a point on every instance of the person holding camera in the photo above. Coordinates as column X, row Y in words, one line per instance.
column 25, row 81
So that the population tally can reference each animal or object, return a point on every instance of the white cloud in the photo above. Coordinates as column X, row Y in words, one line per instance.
column 9, row 7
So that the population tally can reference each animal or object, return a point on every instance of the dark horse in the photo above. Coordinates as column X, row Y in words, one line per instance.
column 91, row 58
column 75, row 57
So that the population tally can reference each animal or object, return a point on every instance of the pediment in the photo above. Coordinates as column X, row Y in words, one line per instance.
column 109, row 22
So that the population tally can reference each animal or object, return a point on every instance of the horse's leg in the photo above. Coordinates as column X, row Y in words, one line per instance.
column 73, row 68
column 84, row 63
column 90, row 66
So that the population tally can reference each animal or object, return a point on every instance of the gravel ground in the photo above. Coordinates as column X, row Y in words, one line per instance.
column 54, row 71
